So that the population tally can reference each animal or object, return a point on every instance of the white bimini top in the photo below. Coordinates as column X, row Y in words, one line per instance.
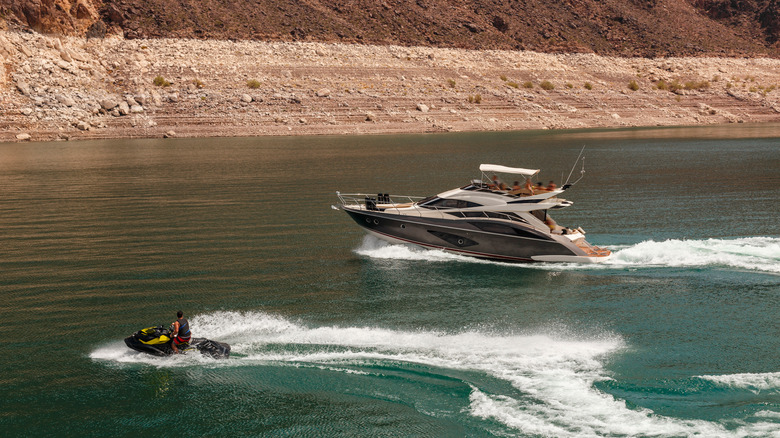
column 505, row 169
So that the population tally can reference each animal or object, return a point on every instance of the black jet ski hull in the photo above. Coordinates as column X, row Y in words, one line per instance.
column 156, row 341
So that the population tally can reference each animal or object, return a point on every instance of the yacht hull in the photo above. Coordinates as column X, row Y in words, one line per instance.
column 468, row 237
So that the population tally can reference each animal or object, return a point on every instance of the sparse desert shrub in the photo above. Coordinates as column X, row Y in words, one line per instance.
column 197, row 83
column 547, row 85
column 588, row 86
column 528, row 84
column 471, row 99
column 569, row 85
column 478, row 98
column 661, row 85
column 451, row 83
column 161, row 82
column 752, row 89
column 513, row 84
column 633, row 86
column 253, row 83
column 503, row 78
column 697, row 85
column 675, row 86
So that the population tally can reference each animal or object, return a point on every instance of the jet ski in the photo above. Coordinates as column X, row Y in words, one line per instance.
column 157, row 341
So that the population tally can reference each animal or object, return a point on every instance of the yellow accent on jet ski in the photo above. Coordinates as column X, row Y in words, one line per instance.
column 156, row 341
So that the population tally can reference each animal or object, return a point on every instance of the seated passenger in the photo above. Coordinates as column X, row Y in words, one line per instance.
column 502, row 186
column 516, row 186
column 551, row 224
column 494, row 183
column 540, row 187
column 529, row 187
column 551, row 186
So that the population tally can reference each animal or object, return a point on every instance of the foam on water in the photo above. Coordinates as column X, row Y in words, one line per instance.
column 754, row 382
column 747, row 253
column 554, row 372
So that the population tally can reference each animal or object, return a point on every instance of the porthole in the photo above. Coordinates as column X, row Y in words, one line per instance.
column 403, row 225
column 460, row 241
column 368, row 220
column 376, row 221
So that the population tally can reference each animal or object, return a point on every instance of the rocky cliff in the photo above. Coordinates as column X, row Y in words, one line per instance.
column 609, row 27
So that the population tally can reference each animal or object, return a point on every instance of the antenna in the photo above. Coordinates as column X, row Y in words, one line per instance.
column 582, row 172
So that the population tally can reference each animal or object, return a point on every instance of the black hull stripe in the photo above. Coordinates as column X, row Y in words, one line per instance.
column 471, row 253
column 362, row 213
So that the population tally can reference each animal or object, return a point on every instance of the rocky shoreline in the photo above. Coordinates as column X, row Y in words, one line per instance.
column 66, row 88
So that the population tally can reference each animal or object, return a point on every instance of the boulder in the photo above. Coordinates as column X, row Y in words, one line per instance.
column 323, row 92
column 169, row 134
column 76, row 55
column 124, row 108
column 82, row 125
column 108, row 104
column 246, row 98
column 23, row 88
column 422, row 107
column 156, row 98
column 25, row 51
column 135, row 109
column 23, row 136
column 65, row 100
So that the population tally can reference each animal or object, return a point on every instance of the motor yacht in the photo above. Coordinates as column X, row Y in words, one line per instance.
column 482, row 219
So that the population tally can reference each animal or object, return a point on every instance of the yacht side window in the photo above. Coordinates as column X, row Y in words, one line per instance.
column 440, row 203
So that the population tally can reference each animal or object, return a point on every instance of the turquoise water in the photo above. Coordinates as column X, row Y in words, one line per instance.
column 338, row 334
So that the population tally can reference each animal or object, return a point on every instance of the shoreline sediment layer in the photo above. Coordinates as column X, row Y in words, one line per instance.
column 74, row 88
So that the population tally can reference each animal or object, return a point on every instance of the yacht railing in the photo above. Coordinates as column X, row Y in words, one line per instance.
column 378, row 201
column 396, row 203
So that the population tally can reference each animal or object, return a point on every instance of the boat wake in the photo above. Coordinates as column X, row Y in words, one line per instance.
column 552, row 374
column 753, row 382
column 760, row 254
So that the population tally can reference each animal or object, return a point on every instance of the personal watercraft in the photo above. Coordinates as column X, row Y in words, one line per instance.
column 157, row 341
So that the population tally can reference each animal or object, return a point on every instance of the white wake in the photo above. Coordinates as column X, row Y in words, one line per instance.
column 761, row 254
column 554, row 372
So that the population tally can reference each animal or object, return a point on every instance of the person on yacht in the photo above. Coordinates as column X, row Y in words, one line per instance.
column 494, row 183
column 550, row 223
column 529, row 187
column 551, row 186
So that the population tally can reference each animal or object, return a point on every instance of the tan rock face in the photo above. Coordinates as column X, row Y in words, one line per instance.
column 78, row 88
column 64, row 17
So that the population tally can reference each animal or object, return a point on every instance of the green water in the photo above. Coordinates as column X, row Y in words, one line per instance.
column 334, row 333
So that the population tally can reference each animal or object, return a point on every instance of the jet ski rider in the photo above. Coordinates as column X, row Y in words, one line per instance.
column 180, row 332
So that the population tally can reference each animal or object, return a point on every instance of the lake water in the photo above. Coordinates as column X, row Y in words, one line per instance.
column 338, row 334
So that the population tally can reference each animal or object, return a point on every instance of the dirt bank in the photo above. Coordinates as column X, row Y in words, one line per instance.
column 75, row 88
